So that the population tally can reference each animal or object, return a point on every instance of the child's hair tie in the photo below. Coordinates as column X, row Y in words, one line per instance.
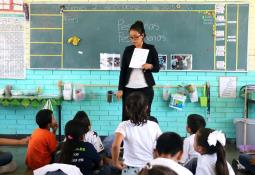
column 70, row 137
column 216, row 136
column 148, row 166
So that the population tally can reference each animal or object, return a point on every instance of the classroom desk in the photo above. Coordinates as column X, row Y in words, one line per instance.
column 8, row 101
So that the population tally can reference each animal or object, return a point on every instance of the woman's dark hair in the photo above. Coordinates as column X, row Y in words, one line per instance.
column 195, row 122
column 74, row 130
column 138, row 26
column 157, row 170
column 221, row 163
column 43, row 118
column 136, row 107
column 82, row 117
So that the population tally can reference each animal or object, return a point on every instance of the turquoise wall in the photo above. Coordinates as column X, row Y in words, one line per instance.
column 106, row 116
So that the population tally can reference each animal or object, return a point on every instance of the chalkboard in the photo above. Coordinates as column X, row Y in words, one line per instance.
column 198, row 29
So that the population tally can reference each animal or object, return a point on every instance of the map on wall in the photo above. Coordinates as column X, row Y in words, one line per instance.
column 12, row 46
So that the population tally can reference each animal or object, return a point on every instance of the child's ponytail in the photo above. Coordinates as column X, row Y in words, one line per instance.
column 221, row 163
column 67, row 149
column 74, row 131
column 214, row 142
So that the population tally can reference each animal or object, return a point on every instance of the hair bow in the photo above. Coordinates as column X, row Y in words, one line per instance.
column 216, row 136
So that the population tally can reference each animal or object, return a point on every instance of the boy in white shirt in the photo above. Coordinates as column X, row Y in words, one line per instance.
column 169, row 151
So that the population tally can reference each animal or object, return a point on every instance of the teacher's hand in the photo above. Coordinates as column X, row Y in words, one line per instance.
column 119, row 94
column 147, row 66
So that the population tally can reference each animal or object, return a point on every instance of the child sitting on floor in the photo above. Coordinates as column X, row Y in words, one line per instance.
column 169, row 151
column 75, row 151
column 42, row 143
column 189, row 157
column 210, row 144
column 91, row 136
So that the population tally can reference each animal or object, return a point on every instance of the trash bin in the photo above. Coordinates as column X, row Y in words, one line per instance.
column 250, row 131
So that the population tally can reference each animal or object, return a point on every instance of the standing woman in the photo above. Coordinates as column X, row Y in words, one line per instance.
column 131, row 79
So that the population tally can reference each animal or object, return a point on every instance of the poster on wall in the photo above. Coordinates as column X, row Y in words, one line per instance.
column 109, row 61
column 11, row 5
column 181, row 61
column 227, row 87
column 162, row 61
column 12, row 47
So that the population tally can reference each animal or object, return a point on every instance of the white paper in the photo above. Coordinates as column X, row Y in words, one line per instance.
column 18, row 1
column 12, row 46
column 193, row 96
column 232, row 22
column 18, row 7
column 220, row 64
column 219, row 8
column 220, row 50
column 231, row 37
column 67, row 92
column 220, row 24
column 220, row 53
column 220, row 39
column 67, row 86
column 6, row 7
column 162, row 62
column 109, row 61
column 231, row 40
column 139, row 58
column 220, row 18
column 227, row 87
column 105, row 61
column 220, row 33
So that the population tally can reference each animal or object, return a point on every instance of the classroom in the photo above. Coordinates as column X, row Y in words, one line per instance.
column 66, row 55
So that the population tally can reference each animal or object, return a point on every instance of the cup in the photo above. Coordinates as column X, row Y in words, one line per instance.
column 166, row 94
column 7, row 90
column 109, row 96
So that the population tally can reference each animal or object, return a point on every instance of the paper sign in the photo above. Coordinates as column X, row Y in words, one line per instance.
column 231, row 40
column 220, row 64
column 220, row 39
column 227, row 87
column 220, row 24
column 220, row 33
column 219, row 8
column 12, row 46
column 231, row 37
column 220, row 50
column 220, row 18
column 139, row 58
column 232, row 22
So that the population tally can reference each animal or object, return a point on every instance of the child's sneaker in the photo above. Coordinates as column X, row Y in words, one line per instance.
column 237, row 166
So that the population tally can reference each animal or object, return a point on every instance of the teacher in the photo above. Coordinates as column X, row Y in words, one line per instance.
column 137, row 79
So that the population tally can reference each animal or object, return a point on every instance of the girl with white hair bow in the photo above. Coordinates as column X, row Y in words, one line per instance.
column 210, row 144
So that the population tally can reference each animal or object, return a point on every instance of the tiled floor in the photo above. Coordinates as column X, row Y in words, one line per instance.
column 20, row 152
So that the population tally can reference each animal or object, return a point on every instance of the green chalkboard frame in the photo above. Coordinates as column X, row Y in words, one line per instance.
column 103, row 28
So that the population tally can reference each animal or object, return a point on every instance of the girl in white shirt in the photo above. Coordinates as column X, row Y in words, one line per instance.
column 91, row 136
column 210, row 144
column 194, row 123
column 139, row 136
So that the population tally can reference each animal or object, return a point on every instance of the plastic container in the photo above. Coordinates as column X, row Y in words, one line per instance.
column 240, row 131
